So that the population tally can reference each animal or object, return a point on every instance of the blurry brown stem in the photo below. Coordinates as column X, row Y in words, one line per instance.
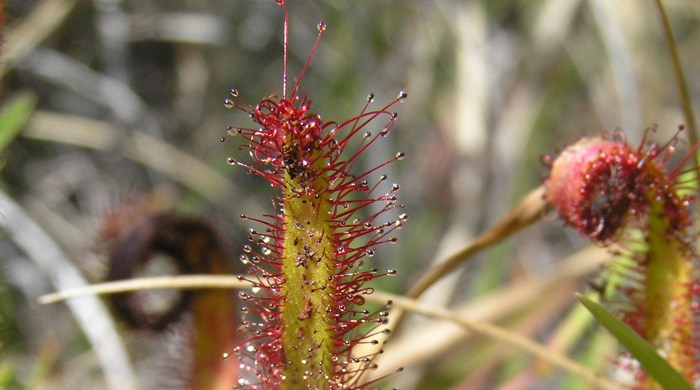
column 500, row 334
column 152, row 283
column 225, row 281
column 529, row 210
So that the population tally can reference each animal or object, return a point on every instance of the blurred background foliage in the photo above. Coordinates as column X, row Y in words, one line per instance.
column 129, row 103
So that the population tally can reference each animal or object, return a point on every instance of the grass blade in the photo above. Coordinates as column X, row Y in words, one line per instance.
column 656, row 366
column 14, row 114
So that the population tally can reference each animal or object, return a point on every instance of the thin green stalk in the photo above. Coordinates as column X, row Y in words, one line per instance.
column 681, row 84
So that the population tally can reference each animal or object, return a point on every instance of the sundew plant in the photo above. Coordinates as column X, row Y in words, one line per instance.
column 310, row 264
column 522, row 216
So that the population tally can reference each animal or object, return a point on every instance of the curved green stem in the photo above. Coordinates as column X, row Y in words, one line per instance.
column 681, row 84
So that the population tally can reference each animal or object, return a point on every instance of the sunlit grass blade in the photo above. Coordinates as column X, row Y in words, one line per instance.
column 14, row 114
column 656, row 366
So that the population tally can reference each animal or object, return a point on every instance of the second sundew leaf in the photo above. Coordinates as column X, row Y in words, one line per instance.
column 668, row 305
column 627, row 198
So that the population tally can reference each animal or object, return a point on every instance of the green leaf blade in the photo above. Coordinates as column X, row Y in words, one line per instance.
column 14, row 114
column 656, row 366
